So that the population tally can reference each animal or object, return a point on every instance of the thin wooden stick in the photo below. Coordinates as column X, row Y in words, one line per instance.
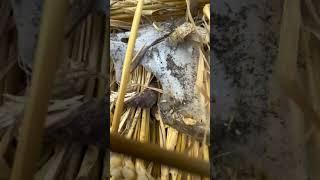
column 126, row 67
column 48, row 53
column 154, row 153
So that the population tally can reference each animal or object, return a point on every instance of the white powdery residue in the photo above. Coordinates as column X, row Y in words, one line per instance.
column 117, row 53
column 173, row 85
column 158, row 65
column 155, row 60
column 182, row 56
column 146, row 36
column 117, row 50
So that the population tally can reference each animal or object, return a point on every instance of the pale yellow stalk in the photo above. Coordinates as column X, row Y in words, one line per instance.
column 206, row 11
column 134, row 122
column 126, row 67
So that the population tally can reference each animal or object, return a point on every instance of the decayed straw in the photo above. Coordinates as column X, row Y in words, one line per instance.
column 137, row 123
column 126, row 67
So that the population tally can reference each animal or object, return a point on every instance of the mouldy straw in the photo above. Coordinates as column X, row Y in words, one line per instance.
column 175, row 66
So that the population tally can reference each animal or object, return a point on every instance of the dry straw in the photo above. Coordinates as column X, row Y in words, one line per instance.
column 145, row 124
column 154, row 10
column 126, row 67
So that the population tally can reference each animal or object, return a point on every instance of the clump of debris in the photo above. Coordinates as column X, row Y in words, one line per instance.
column 175, row 67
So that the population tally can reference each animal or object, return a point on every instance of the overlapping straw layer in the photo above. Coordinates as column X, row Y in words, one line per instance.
column 123, row 11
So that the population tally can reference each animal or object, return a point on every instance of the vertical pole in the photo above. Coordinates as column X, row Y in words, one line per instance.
column 126, row 67
column 47, row 58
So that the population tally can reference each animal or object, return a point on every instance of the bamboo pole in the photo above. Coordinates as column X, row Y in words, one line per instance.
column 126, row 67
column 154, row 153
column 47, row 55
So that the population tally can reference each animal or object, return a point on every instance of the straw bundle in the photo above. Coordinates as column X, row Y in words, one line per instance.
column 121, row 12
column 146, row 124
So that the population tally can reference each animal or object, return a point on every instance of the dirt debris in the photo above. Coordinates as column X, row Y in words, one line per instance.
column 251, row 125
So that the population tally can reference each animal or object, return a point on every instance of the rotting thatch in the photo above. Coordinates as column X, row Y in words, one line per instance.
column 148, row 124
column 69, row 157
column 176, row 70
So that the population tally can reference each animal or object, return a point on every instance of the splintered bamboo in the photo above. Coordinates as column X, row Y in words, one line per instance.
column 47, row 56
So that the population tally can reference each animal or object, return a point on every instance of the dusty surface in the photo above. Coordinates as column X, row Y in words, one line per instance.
column 175, row 66
column 251, row 126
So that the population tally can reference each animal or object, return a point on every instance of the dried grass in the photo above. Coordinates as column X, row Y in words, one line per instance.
column 121, row 13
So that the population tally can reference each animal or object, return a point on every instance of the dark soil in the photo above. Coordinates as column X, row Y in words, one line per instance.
column 251, row 130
